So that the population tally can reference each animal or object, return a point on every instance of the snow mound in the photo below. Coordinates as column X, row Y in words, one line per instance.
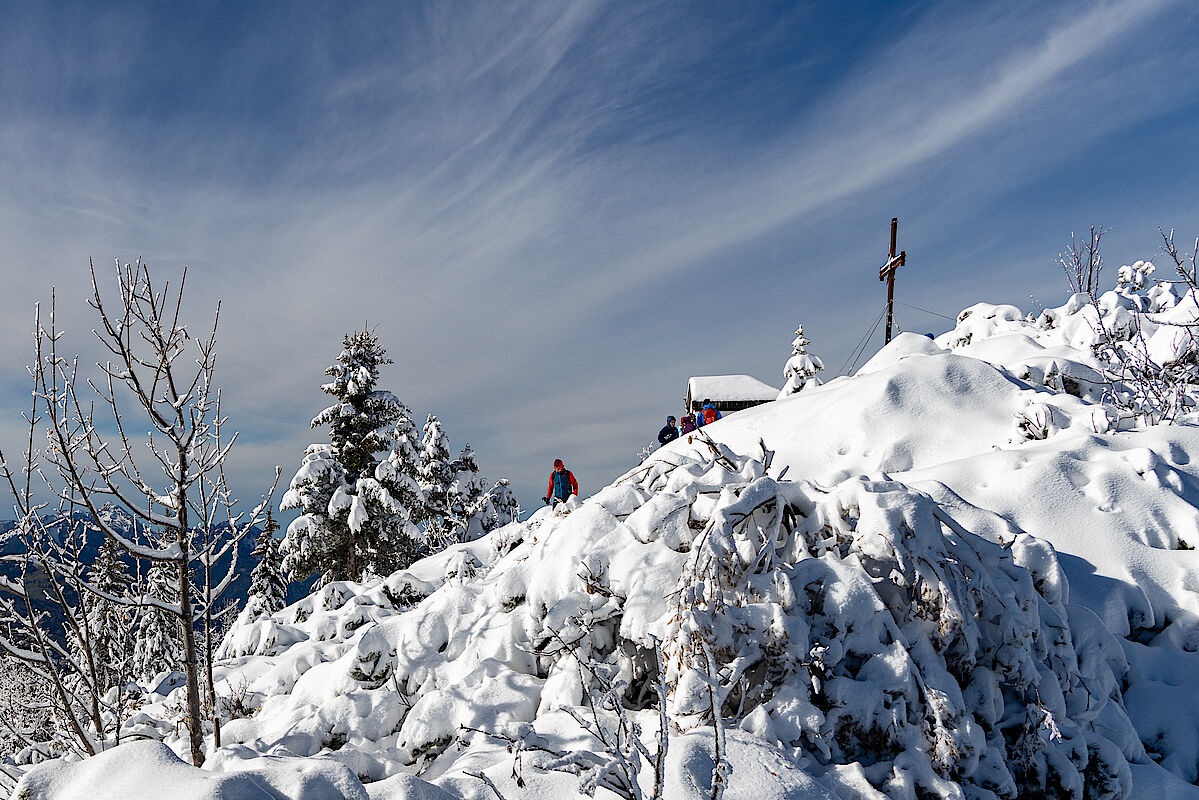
column 152, row 771
column 860, row 633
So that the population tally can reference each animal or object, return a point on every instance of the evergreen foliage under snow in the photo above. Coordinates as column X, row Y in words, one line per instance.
column 800, row 370
column 359, row 419
column 363, row 518
column 330, row 537
column 268, row 584
column 159, row 646
column 109, row 624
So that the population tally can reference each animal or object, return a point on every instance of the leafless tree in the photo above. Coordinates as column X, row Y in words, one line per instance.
column 44, row 572
column 1082, row 261
column 171, row 481
column 220, row 529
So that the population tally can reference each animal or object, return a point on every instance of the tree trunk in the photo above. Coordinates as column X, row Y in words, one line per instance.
column 216, row 720
column 195, row 722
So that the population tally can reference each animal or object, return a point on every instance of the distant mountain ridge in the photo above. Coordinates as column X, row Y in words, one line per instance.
column 121, row 520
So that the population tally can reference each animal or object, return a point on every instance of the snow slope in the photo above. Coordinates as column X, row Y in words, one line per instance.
column 963, row 572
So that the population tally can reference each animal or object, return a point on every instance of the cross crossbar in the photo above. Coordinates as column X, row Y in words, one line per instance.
column 889, row 267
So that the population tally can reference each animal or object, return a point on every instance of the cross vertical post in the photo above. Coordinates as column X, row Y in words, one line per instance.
column 887, row 273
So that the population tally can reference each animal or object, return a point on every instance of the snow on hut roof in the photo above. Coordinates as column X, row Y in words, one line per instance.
column 730, row 387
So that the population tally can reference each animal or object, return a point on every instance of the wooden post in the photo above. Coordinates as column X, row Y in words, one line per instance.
column 887, row 273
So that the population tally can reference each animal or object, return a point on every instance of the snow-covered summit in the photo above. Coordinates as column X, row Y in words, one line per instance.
column 965, row 571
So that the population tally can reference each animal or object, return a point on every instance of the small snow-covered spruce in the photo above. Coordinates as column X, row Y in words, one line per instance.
column 800, row 370
column 499, row 507
column 467, row 497
column 435, row 476
column 158, row 647
column 109, row 622
column 454, row 505
column 268, row 586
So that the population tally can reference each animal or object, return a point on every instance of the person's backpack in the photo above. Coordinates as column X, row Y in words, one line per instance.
column 710, row 416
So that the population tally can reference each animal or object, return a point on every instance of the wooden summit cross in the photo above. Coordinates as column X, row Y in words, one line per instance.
column 887, row 273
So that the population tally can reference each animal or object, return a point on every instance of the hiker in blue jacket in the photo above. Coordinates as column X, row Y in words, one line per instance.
column 562, row 484
column 707, row 415
column 669, row 433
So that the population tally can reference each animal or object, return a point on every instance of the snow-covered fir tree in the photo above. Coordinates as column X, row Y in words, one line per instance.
column 384, row 509
column 159, row 645
column 268, row 585
column 108, row 622
column 435, row 474
column 322, row 539
column 800, row 370
column 434, row 470
column 505, row 508
column 363, row 518
column 469, row 504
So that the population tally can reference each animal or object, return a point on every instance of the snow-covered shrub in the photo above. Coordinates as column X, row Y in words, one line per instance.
column 863, row 626
column 1034, row 421
column 1133, row 349
column 1132, row 278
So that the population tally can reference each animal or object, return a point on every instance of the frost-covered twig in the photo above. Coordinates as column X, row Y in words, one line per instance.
column 486, row 782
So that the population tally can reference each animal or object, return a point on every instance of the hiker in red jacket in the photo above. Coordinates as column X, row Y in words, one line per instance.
column 562, row 484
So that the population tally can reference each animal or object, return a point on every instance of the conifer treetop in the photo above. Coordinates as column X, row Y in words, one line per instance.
column 359, row 421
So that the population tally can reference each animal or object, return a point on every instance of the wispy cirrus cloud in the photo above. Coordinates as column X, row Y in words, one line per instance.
column 535, row 202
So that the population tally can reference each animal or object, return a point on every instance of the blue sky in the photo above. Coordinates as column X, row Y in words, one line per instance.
column 554, row 213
